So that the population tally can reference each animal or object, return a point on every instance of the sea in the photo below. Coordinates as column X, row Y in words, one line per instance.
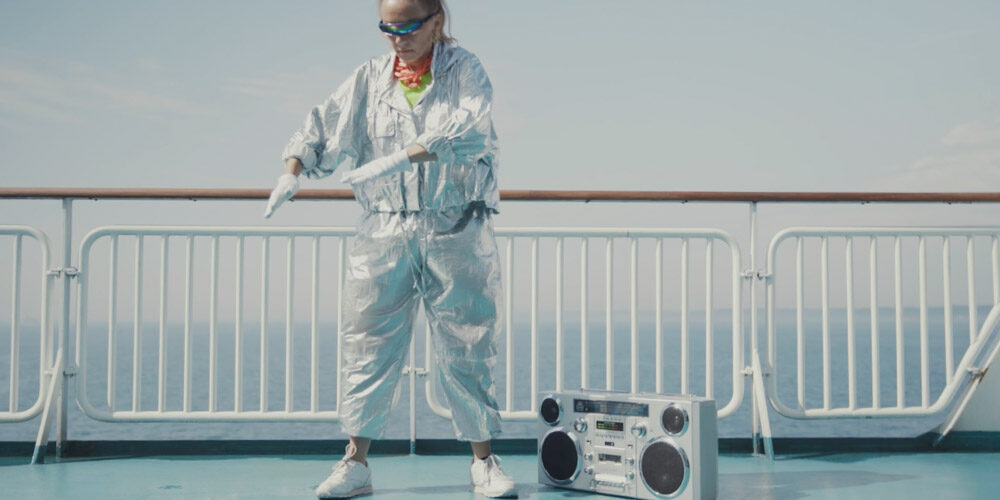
column 518, row 382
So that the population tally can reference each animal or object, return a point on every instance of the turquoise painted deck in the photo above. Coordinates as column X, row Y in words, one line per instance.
column 881, row 476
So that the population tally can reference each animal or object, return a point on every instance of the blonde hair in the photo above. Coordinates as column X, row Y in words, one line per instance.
column 443, row 35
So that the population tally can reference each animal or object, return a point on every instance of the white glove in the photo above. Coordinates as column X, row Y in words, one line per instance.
column 288, row 185
column 396, row 162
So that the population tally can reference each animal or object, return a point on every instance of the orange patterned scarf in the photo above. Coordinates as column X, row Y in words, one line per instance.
column 410, row 75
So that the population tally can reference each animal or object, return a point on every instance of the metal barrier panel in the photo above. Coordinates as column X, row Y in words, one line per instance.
column 680, row 331
column 25, row 346
column 868, row 303
column 238, row 290
column 147, row 370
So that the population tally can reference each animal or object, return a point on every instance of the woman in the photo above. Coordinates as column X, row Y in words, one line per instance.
column 413, row 131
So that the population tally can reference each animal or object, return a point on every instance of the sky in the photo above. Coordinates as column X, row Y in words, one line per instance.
column 638, row 95
column 661, row 95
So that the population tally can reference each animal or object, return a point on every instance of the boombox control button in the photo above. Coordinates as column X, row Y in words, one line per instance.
column 609, row 481
column 639, row 430
column 588, row 470
column 589, row 457
column 630, row 476
column 580, row 425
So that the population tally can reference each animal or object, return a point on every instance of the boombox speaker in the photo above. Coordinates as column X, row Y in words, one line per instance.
column 648, row 446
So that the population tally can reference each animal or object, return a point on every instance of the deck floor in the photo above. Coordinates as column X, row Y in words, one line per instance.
column 910, row 476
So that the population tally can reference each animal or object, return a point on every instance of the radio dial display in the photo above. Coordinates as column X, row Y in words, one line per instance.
column 622, row 408
column 603, row 425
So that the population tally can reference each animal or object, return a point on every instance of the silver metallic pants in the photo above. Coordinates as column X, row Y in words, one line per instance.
column 448, row 260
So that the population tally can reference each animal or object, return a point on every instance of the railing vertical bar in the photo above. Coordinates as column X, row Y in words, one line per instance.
column 534, row 322
column 873, row 314
column 584, row 356
column 289, row 304
column 737, row 324
column 15, row 325
column 188, row 313
column 161, row 400
column 45, row 314
column 264, row 285
column 709, row 334
column 238, row 330
column 112, row 322
column 213, row 335
column 658, row 329
column 852, row 382
column 970, row 264
column 137, row 329
column 634, row 314
column 898, row 281
column 769, row 319
column 685, row 333
column 45, row 311
column 949, row 340
column 925, row 394
column 341, row 277
column 314, row 331
column 609, row 330
column 411, row 368
column 559, row 314
column 996, row 270
column 824, row 290
column 429, row 361
column 508, row 320
column 800, row 352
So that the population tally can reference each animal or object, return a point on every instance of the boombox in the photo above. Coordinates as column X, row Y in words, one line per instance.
column 648, row 446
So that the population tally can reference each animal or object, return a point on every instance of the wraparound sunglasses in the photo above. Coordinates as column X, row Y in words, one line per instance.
column 404, row 28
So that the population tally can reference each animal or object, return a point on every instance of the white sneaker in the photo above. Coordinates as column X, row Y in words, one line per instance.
column 489, row 479
column 349, row 478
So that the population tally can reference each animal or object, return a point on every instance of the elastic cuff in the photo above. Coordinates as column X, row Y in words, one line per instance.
column 432, row 143
column 304, row 153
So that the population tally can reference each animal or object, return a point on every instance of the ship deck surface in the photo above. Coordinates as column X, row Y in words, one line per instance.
column 909, row 476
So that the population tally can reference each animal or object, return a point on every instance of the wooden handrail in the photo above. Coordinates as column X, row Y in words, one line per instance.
column 510, row 195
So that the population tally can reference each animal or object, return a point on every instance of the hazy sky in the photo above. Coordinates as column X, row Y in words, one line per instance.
column 651, row 95
column 665, row 95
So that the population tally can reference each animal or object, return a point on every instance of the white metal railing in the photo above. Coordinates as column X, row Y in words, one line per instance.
column 727, row 269
column 534, row 238
column 946, row 376
column 908, row 283
column 944, row 379
column 166, row 377
column 17, row 236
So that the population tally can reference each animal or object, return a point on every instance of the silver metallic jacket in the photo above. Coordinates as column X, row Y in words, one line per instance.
column 367, row 118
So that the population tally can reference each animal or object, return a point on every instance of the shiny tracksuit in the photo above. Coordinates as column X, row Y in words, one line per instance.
column 426, row 234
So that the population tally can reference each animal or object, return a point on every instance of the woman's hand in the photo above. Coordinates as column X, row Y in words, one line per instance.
column 288, row 185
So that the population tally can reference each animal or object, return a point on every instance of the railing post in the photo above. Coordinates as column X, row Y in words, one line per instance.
column 761, row 428
column 62, row 416
column 754, row 421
